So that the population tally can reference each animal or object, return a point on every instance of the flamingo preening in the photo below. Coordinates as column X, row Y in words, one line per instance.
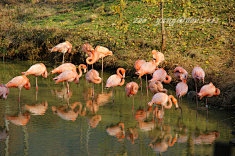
column 131, row 90
column 63, row 48
column 180, row 73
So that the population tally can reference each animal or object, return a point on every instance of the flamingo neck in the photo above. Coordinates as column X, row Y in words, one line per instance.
column 97, row 80
column 174, row 100
column 167, row 79
column 80, row 70
column 217, row 91
column 170, row 103
column 122, row 82
column 118, row 73
column 91, row 59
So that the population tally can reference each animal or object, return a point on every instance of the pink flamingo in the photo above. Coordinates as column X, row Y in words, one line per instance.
column 161, row 75
column 131, row 89
column 180, row 73
column 63, row 48
column 156, row 87
column 87, row 48
column 64, row 67
column 37, row 70
column 70, row 76
column 208, row 91
column 4, row 91
column 198, row 74
column 181, row 89
column 116, row 79
column 92, row 76
column 162, row 99
column 19, row 81
column 158, row 57
column 138, row 64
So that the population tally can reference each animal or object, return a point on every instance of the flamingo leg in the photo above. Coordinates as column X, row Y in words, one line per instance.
column 141, row 85
column 195, row 80
column 147, row 84
column 92, row 66
column 133, row 105
column 113, row 95
column 68, row 88
column 36, row 83
column 63, row 58
column 19, row 97
column 102, row 74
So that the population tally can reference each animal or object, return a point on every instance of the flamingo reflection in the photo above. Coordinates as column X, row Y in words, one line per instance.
column 38, row 109
column 117, row 130
column 132, row 135
column 20, row 119
column 94, row 120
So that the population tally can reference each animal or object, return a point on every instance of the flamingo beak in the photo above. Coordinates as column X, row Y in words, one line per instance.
column 124, row 75
column 85, row 70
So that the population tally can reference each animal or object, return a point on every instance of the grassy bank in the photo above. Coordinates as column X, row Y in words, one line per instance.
column 128, row 28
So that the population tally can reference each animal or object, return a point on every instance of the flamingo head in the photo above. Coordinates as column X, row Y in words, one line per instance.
column 45, row 74
column 27, row 85
column 123, row 71
column 174, row 100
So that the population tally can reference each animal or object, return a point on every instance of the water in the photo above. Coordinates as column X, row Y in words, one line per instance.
column 50, row 134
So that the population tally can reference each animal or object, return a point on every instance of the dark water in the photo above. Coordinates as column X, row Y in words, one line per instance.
column 50, row 134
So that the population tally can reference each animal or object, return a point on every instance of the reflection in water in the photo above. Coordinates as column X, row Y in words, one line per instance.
column 3, row 133
column 132, row 134
column 62, row 93
column 94, row 120
column 117, row 130
column 66, row 112
column 141, row 115
column 38, row 109
column 19, row 119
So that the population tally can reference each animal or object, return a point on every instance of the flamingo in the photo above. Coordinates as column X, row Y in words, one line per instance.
column 181, row 89
column 103, row 52
column 198, row 74
column 208, row 91
column 137, row 66
column 158, row 57
column 70, row 76
column 19, row 81
column 87, row 48
column 162, row 99
column 117, row 131
column 64, row 67
column 180, row 73
column 92, row 76
column 63, row 48
column 116, row 79
column 37, row 70
column 161, row 75
column 4, row 91
column 131, row 89
column 156, row 87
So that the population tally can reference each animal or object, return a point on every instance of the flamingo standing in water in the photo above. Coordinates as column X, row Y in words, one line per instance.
column 92, row 76
column 63, row 48
column 64, row 67
column 162, row 99
column 208, row 91
column 161, row 75
column 180, row 73
column 138, row 64
column 181, row 89
column 19, row 81
column 116, row 79
column 70, row 76
column 37, row 70
column 198, row 74
column 131, row 89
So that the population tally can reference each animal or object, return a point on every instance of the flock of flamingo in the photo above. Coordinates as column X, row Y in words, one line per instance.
column 68, row 73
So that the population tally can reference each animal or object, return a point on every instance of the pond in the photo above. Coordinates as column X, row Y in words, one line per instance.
column 82, row 124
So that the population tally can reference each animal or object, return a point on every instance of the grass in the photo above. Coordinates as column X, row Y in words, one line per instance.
column 30, row 28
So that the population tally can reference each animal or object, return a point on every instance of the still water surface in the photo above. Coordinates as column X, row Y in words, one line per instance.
column 82, row 125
